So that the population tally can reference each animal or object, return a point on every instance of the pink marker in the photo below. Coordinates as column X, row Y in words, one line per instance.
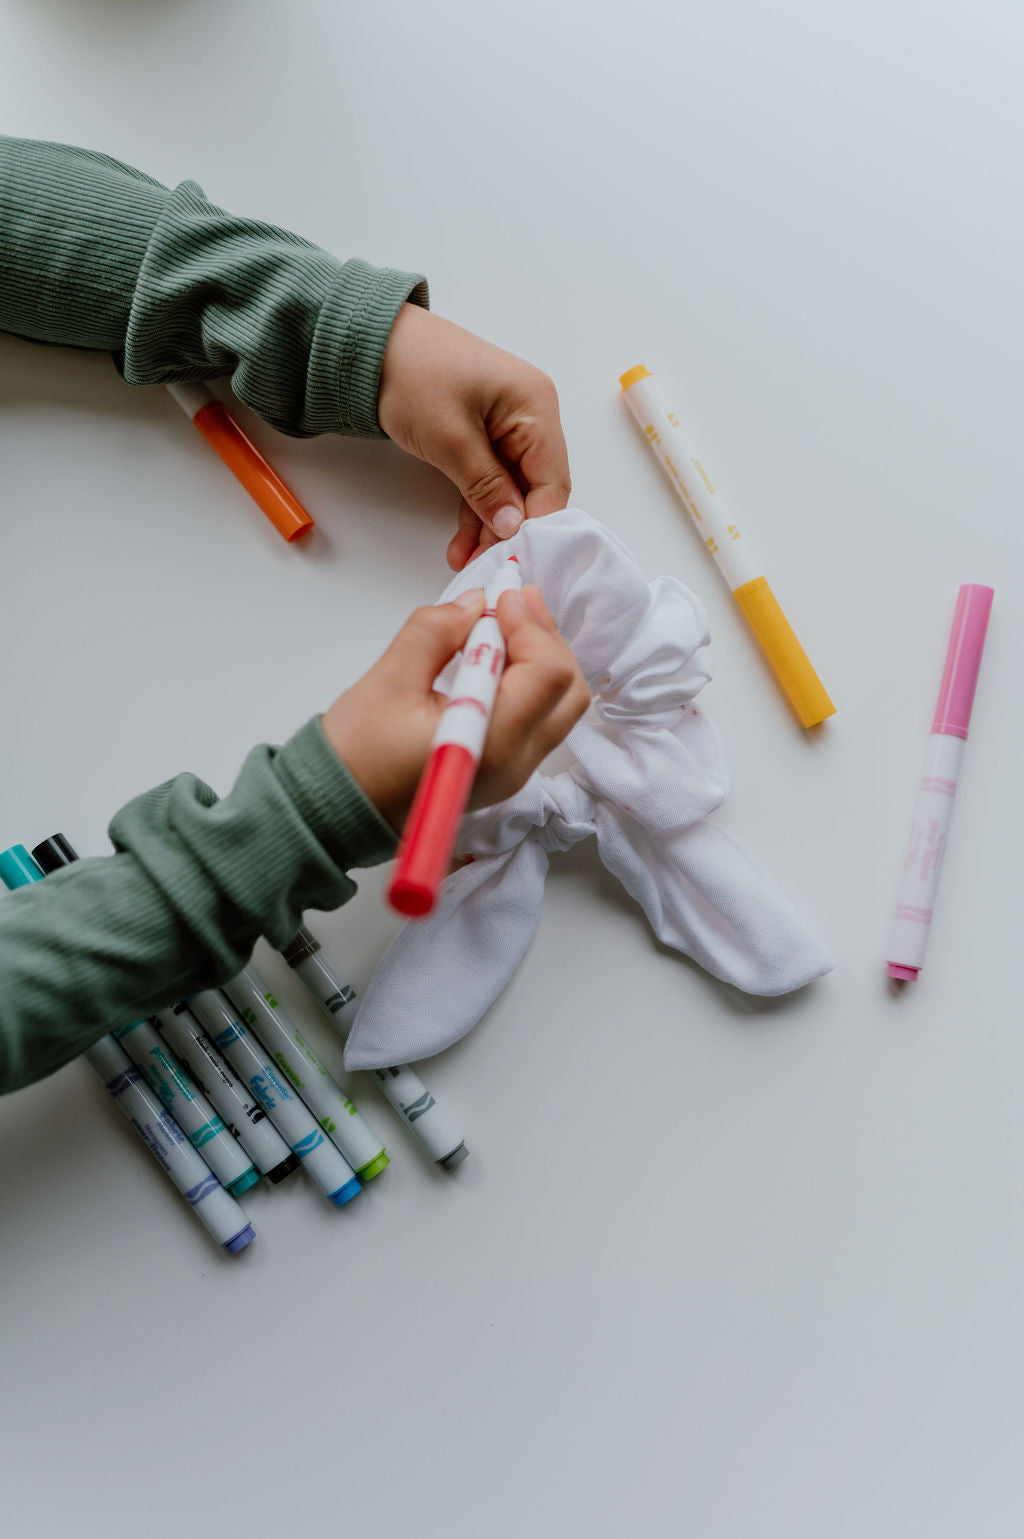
column 908, row 938
column 441, row 796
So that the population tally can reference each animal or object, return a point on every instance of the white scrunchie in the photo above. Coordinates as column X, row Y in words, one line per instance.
column 646, row 774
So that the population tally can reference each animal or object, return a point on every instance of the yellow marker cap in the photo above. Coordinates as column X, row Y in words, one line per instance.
column 803, row 688
column 632, row 375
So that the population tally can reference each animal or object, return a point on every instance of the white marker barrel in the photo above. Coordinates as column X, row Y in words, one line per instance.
column 251, row 1061
column 336, row 1112
column 419, row 1111
column 720, row 534
column 242, row 1113
column 465, row 718
column 402, row 1087
column 188, row 1106
column 915, row 898
column 215, row 1207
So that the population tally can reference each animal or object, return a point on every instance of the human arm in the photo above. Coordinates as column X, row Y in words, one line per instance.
column 195, row 881
column 95, row 254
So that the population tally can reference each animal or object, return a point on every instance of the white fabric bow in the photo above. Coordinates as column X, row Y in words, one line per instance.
column 647, row 772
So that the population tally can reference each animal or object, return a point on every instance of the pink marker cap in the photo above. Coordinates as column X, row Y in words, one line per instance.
column 963, row 659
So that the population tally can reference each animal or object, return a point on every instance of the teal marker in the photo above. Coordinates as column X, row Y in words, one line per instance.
column 157, row 1129
column 165, row 1074
column 188, row 1106
column 326, row 1166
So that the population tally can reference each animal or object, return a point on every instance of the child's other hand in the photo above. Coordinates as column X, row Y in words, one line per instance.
column 481, row 415
column 381, row 728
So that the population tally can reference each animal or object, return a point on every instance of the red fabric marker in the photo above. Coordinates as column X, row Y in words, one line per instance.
column 441, row 796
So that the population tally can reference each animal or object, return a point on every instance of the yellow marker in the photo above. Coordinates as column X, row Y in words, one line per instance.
column 803, row 688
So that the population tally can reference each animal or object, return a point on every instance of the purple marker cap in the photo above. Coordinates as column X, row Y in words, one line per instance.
column 963, row 659
column 240, row 1240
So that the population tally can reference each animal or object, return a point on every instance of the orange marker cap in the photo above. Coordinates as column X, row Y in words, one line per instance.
column 259, row 478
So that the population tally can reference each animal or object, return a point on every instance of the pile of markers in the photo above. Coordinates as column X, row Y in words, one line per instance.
column 225, row 1088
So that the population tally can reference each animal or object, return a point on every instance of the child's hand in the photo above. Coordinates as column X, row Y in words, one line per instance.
column 381, row 728
column 487, row 419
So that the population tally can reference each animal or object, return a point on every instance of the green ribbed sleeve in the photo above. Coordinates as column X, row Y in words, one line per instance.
column 95, row 254
column 192, row 885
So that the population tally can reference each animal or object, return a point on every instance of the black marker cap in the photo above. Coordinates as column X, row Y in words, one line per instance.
column 284, row 1169
column 304, row 945
column 54, row 853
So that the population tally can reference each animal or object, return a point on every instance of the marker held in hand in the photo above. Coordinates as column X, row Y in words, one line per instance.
column 443, row 792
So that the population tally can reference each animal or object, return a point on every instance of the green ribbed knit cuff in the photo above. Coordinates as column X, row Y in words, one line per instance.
column 73, row 231
column 331, row 803
column 358, row 318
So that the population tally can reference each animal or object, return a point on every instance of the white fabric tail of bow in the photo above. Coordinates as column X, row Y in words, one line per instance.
column 648, row 768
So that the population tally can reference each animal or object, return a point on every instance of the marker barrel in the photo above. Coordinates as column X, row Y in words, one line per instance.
column 336, row 1112
column 182, row 1097
column 919, row 884
column 326, row 1165
column 212, row 1205
column 727, row 546
column 215, row 1207
column 432, row 826
column 244, row 460
column 243, row 1114
column 402, row 1086
column 431, row 830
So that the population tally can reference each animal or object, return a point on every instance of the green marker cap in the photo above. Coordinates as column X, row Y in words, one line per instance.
column 375, row 1167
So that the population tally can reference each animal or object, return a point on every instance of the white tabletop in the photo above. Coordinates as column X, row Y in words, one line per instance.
column 715, row 1267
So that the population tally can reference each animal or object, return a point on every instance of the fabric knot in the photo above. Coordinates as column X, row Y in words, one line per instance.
column 648, row 768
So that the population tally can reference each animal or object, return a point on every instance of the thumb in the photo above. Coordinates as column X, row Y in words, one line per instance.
column 430, row 638
column 487, row 487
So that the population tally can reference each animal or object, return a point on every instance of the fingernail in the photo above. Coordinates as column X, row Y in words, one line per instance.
column 471, row 599
column 506, row 521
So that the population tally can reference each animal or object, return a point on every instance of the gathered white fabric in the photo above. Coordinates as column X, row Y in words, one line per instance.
column 648, row 768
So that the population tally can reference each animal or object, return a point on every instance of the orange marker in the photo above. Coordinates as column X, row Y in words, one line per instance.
column 242, row 457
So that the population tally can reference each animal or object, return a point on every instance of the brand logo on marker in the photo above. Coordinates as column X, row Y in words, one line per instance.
column 202, row 1189
column 259, row 1088
column 307, row 1145
column 232, row 1033
column 339, row 1000
column 208, row 1130
column 122, row 1081
column 283, row 1063
column 419, row 1107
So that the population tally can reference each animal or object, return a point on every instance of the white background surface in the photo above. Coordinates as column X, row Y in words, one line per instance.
column 715, row 1268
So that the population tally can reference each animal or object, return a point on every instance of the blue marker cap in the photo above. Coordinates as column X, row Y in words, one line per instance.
column 346, row 1193
column 17, row 868
column 240, row 1240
